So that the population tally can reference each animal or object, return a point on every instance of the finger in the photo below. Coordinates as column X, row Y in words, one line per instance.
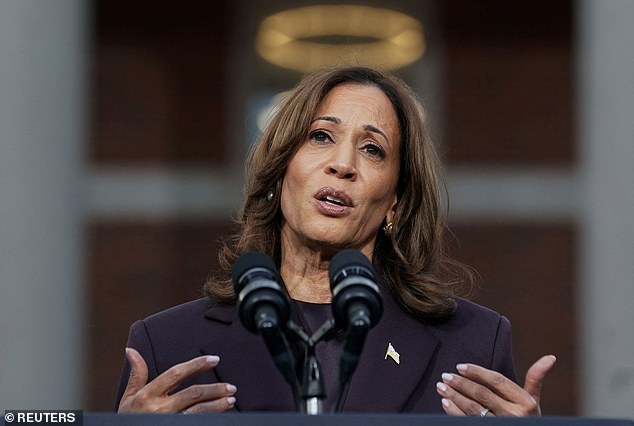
column 197, row 394
column 174, row 376
column 216, row 406
column 451, row 408
column 536, row 373
column 138, row 372
column 502, row 385
column 467, row 396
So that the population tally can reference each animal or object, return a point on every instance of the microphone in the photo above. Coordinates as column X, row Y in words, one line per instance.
column 264, row 309
column 355, row 295
column 356, row 306
column 261, row 302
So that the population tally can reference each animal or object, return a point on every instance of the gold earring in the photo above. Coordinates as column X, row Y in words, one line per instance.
column 387, row 229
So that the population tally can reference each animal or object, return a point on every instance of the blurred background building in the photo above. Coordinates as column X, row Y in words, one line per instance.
column 124, row 126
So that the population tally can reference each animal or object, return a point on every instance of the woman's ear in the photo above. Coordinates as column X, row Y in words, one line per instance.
column 389, row 217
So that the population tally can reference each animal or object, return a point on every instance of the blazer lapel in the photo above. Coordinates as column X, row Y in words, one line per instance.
column 246, row 363
column 385, row 381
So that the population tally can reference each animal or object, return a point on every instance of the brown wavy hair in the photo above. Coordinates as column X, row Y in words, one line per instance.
column 411, row 261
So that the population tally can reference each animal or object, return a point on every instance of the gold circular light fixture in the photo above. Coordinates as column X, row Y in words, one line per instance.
column 302, row 39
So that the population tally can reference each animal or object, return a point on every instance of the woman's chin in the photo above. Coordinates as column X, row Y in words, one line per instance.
column 326, row 235
column 333, row 241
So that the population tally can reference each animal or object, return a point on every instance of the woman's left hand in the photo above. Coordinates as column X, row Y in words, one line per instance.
column 477, row 391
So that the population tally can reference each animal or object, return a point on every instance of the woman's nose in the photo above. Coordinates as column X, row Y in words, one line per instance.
column 342, row 162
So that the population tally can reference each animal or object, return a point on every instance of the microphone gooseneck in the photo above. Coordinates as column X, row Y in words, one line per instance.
column 264, row 309
column 356, row 307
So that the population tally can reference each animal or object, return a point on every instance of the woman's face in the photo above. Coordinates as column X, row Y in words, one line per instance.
column 341, row 183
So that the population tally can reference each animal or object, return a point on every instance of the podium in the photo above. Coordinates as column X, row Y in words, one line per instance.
column 292, row 419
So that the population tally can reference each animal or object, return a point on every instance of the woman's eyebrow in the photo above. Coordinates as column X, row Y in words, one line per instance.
column 371, row 128
column 336, row 120
column 330, row 118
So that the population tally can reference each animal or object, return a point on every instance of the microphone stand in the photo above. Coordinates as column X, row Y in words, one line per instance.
column 313, row 388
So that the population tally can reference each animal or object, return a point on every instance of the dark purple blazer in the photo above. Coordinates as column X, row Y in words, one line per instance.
column 472, row 334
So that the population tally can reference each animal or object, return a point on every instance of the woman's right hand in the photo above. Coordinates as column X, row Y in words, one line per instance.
column 155, row 397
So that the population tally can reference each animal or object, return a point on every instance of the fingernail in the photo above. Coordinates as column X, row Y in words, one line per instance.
column 447, row 377
column 128, row 353
column 445, row 402
column 231, row 389
column 461, row 367
column 213, row 359
column 231, row 400
column 441, row 387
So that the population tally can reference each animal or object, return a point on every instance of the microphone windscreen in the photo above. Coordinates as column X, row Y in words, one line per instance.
column 348, row 258
column 249, row 261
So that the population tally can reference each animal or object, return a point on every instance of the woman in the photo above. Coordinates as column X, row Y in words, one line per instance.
column 346, row 162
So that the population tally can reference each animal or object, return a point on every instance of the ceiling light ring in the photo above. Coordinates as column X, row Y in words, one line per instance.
column 282, row 39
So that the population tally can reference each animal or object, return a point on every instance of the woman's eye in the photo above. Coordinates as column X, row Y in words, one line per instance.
column 374, row 150
column 320, row 136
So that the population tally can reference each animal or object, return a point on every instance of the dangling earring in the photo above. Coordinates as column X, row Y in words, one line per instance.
column 269, row 196
column 387, row 229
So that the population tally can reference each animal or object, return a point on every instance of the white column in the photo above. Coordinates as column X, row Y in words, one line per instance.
column 606, row 131
column 42, row 76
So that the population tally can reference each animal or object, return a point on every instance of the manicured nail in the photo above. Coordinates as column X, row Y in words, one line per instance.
column 128, row 353
column 231, row 400
column 231, row 389
column 441, row 387
column 445, row 402
column 447, row 377
column 213, row 359
column 461, row 367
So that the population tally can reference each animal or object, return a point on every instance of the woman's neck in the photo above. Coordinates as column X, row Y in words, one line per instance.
column 304, row 269
column 306, row 279
column 305, row 273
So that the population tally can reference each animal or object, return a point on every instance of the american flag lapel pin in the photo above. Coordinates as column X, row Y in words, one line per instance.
column 391, row 352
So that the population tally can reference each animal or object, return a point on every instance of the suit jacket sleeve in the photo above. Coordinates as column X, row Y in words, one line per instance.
column 138, row 339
